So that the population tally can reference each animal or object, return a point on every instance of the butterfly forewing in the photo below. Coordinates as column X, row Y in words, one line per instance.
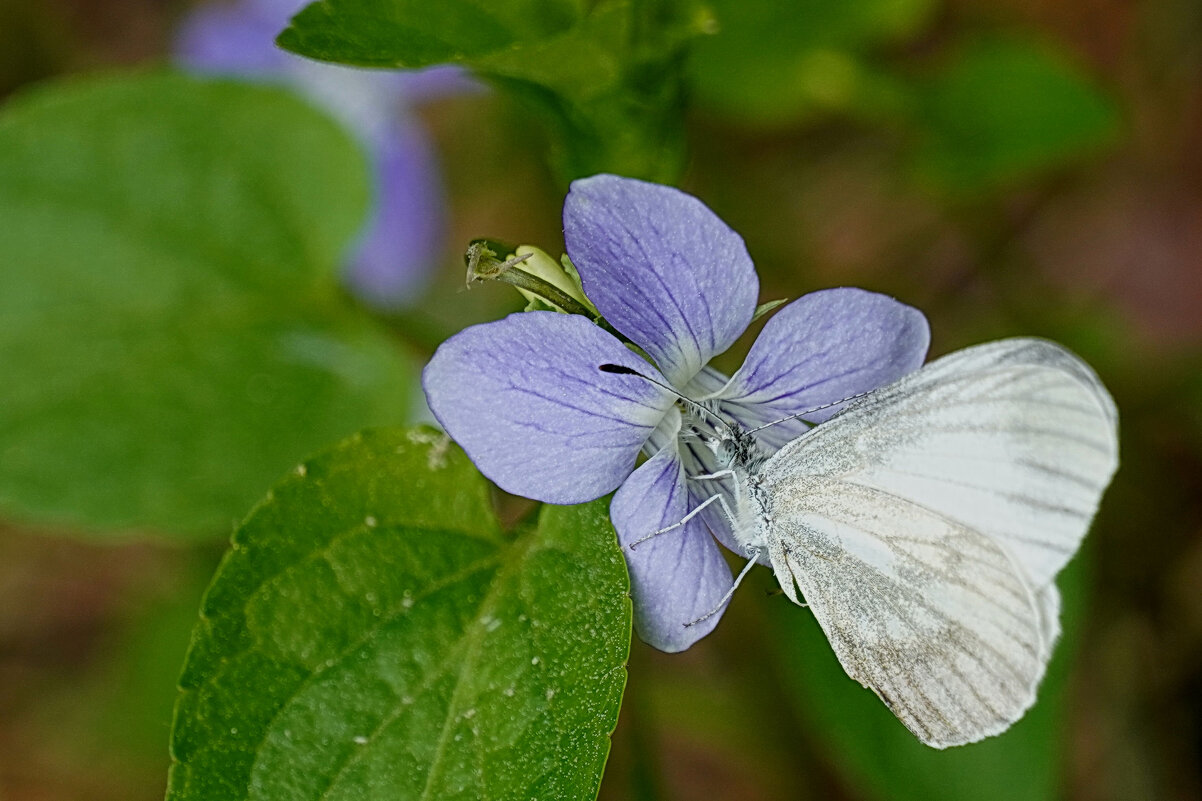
column 1014, row 439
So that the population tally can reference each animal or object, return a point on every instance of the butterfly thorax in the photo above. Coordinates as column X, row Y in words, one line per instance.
column 741, row 452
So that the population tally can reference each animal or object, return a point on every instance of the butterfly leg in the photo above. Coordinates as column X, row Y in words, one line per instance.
column 708, row 476
column 696, row 511
column 739, row 580
column 735, row 489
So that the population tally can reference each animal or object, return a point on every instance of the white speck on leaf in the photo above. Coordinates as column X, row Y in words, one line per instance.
column 436, row 456
column 360, row 740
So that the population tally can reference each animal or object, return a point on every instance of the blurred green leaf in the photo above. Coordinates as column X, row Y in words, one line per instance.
column 608, row 79
column 878, row 755
column 1001, row 110
column 372, row 634
column 777, row 61
column 172, row 335
column 415, row 33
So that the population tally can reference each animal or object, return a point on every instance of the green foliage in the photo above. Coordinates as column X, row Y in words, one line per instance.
column 171, row 330
column 608, row 79
column 415, row 33
column 373, row 634
column 1002, row 110
column 878, row 754
column 993, row 111
column 779, row 61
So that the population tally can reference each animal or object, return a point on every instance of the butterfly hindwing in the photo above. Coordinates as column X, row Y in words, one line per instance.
column 932, row 616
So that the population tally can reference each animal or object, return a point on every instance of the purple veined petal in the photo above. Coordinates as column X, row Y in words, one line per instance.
column 525, row 399
column 821, row 348
column 662, row 268
column 706, row 383
column 233, row 38
column 675, row 577
column 402, row 240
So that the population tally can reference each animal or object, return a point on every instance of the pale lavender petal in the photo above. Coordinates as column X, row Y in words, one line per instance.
column 402, row 241
column 662, row 268
column 232, row 39
column 525, row 398
column 675, row 577
column 823, row 347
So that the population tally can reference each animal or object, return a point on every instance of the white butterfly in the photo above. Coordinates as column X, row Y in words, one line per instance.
column 925, row 523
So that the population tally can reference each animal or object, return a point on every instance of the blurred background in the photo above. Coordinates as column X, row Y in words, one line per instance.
column 1009, row 167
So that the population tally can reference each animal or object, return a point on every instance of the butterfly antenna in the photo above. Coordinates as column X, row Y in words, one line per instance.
column 800, row 415
column 689, row 402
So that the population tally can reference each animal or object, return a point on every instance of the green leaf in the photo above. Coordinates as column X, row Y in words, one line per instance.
column 416, row 33
column 372, row 634
column 172, row 333
column 779, row 61
column 885, row 761
column 1000, row 111
column 608, row 80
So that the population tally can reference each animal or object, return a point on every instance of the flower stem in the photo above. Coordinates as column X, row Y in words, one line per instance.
column 483, row 265
column 544, row 289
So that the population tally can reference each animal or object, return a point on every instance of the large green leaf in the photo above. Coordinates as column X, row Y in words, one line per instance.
column 171, row 331
column 885, row 761
column 373, row 635
column 608, row 79
column 1002, row 110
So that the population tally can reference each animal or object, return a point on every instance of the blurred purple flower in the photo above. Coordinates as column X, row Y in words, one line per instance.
column 526, row 399
column 400, row 243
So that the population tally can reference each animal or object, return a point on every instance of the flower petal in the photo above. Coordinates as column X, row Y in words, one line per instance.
column 234, row 38
column 401, row 242
column 662, row 269
column 675, row 577
column 822, row 348
column 525, row 398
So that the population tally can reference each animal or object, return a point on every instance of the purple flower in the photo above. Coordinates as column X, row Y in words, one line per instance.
column 526, row 399
column 400, row 243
